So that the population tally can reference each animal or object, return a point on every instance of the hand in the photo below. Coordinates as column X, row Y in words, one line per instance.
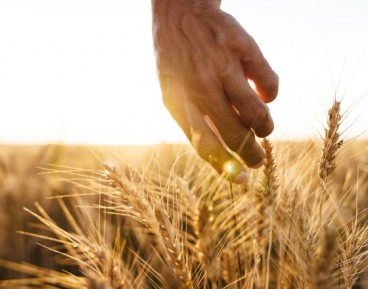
column 204, row 60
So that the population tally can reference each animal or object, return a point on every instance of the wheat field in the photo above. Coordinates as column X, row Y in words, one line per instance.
column 160, row 217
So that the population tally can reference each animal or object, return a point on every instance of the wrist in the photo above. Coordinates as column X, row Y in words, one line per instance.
column 166, row 7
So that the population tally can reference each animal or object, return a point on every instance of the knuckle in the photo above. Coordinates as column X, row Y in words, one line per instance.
column 260, row 120
column 262, row 115
column 257, row 116
column 248, row 50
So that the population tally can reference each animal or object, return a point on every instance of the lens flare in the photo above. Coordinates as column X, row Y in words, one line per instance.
column 234, row 171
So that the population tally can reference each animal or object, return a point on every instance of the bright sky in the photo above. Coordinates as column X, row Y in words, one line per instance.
column 82, row 71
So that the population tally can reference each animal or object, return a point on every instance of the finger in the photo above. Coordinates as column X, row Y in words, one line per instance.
column 235, row 135
column 257, row 69
column 208, row 146
column 251, row 109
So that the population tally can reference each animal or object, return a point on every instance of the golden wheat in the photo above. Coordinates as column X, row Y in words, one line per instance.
column 171, row 222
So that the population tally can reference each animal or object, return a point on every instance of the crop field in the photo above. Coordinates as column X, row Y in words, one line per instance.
column 160, row 217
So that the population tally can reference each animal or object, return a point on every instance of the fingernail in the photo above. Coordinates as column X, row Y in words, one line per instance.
column 240, row 178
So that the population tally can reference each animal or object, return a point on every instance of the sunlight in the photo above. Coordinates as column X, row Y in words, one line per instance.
column 78, row 71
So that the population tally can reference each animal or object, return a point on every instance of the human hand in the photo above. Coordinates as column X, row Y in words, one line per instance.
column 204, row 61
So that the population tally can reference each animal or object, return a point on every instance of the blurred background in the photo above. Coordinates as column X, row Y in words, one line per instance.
column 83, row 71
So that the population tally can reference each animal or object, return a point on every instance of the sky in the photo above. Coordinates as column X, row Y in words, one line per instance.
column 83, row 71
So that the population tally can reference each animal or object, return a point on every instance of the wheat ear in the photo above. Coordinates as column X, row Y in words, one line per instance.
column 206, row 249
column 331, row 142
column 157, row 219
column 353, row 253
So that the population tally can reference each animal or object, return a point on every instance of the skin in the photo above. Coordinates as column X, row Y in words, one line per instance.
column 205, row 60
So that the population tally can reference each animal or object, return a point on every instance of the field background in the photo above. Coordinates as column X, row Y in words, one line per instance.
column 27, row 176
column 30, row 174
